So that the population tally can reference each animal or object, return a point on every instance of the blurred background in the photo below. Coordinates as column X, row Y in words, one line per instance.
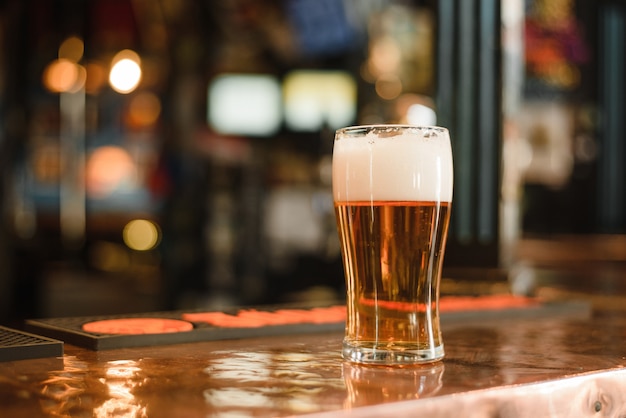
column 175, row 154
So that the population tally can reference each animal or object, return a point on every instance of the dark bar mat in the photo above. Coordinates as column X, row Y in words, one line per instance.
column 162, row 328
column 19, row 345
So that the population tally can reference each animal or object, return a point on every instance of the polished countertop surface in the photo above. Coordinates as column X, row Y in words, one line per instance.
column 489, row 365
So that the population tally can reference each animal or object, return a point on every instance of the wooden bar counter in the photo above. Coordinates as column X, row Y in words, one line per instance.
column 572, row 366
column 568, row 364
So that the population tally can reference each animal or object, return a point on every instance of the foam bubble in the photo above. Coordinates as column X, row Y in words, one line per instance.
column 392, row 164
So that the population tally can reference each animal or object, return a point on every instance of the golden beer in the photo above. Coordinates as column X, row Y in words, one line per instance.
column 392, row 189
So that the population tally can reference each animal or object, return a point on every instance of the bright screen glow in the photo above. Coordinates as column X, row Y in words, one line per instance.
column 317, row 98
column 241, row 104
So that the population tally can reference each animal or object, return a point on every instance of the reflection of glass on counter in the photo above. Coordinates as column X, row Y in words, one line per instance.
column 369, row 385
column 271, row 383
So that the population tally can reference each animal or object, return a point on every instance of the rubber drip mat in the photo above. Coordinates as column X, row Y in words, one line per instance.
column 19, row 345
column 175, row 327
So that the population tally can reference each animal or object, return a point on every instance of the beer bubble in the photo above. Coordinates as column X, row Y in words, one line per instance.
column 389, row 132
column 430, row 133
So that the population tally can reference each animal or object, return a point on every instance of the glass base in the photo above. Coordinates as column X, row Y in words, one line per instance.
column 389, row 357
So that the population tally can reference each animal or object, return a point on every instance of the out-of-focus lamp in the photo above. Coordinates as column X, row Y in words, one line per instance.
column 109, row 168
column 125, row 73
column 141, row 235
column 314, row 99
column 244, row 104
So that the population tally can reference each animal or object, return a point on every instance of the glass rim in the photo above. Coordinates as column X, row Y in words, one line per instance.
column 365, row 129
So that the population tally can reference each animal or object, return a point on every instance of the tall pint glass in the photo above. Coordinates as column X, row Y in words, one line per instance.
column 392, row 189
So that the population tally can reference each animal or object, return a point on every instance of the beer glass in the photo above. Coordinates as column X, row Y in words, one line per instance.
column 392, row 189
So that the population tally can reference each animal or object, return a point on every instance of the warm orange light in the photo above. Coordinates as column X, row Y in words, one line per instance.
column 388, row 86
column 63, row 75
column 385, row 56
column 96, row 77
column 81, row 79
column 72, row 49
column 108, row 168
column 144, row 110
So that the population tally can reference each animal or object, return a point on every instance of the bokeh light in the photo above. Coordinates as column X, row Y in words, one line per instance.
column 385, row 56
column 125, row 72
column 314, row 99
column 416, row 109
column 244, row 104
column 109, row 168
column 419, row 114
column 63, row 76
column 388, row 86
column 141, row 235
column 72, row 49
column 143, row 110
column 96, row 77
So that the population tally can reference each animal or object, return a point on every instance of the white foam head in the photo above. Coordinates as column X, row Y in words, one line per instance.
column 392, row 163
